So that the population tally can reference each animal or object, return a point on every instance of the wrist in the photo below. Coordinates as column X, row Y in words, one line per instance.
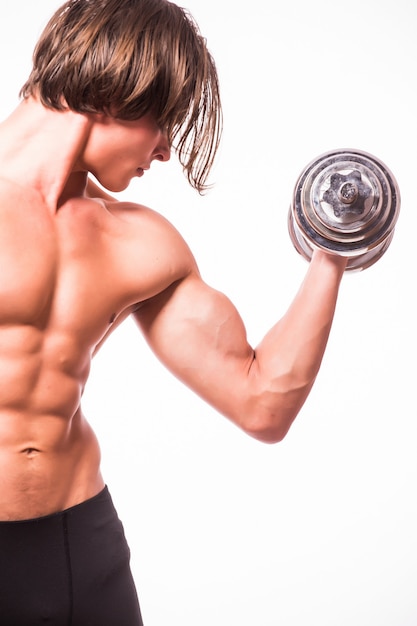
column 329, row 260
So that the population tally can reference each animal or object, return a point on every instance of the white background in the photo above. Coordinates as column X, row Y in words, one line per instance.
column 319, row 530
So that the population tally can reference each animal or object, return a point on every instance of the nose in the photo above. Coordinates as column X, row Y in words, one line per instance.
column 162, row 151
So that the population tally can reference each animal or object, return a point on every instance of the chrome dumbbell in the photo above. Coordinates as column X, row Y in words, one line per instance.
column 345, row 202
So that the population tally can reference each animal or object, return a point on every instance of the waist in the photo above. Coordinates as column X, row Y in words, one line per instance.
column 76, row 511
column 44, row 474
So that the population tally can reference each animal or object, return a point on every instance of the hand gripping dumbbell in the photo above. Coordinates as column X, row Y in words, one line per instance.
column 345, row 202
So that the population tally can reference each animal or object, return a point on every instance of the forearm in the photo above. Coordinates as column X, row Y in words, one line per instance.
column 288, row 359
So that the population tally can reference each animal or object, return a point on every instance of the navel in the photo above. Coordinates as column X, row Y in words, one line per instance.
column 30, row 452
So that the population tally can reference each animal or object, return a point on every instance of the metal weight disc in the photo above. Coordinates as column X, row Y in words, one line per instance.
column 345, row 202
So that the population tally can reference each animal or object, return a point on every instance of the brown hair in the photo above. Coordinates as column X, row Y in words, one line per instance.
column 128, row 58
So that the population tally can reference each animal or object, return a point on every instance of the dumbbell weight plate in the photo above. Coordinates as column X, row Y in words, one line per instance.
column 345, row 202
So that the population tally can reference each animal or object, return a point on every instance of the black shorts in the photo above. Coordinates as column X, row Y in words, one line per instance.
column 68, row 569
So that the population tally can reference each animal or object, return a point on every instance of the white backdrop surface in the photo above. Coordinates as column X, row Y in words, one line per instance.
column 319, row 530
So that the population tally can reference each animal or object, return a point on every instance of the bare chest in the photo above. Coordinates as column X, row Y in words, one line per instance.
column 28, row 265
column 81, row 268
column 49, row 271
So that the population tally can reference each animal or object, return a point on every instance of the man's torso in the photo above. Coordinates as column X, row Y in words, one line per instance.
column 66, row 278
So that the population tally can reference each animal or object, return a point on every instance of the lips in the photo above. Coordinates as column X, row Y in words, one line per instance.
column 141, row 170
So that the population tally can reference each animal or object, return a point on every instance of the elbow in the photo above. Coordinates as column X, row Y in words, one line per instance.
column 269, row 437
column 267, row 427
column 268, row 416
column 266, row 410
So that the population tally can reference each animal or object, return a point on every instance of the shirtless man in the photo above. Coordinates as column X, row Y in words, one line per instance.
column 116, row 84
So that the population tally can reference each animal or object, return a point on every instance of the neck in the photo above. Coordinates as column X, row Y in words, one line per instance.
column 42, row 148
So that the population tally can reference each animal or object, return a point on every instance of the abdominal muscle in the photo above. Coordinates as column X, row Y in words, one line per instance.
column 49, row 455
column 41, row 478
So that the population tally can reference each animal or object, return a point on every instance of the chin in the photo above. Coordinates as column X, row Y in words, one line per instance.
column 115, row 187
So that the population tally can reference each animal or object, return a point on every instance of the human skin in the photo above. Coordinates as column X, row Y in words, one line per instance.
column 74, row 266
